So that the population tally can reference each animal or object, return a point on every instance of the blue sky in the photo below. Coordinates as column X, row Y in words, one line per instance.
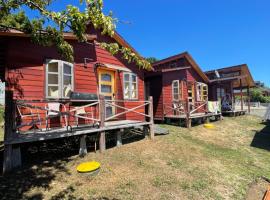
column 217, row 33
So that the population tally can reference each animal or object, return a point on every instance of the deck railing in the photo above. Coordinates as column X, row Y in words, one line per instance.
column 37, row 114
column 185, row 109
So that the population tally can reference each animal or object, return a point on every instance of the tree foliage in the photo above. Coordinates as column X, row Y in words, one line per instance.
column 48, row 28
column 152, row 59
column 256, row 95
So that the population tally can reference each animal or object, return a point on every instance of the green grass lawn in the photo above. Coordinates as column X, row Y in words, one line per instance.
column 194, row 163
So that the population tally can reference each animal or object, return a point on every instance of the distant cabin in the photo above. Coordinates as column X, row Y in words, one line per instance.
column 231, row 81
column 176, row 81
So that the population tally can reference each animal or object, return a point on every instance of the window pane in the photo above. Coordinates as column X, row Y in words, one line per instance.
column 109, row 111
column 108, row 97
column 53, row 67
column 106, row 77
column 134, row 94
column 126, row 77
column 67, row 80
column 106, row 88
column 53, row 91
column 53, row 79
column 175, row 84
column 175, row 90
column 67, row 90
column 126, row 90
column 134, row 78
column 175, row 96
column 67, row 69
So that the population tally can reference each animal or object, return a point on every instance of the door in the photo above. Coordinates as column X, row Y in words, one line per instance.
column 107, row 88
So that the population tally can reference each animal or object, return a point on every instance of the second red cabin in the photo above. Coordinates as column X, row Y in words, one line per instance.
column 178, row 86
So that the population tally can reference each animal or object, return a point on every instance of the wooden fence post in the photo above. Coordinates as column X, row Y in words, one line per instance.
column 119, row 137
column 83, row 147
column 241, row 95
column 12, row 153
column 151, row 113
column 248, row 96
column 188, row 120
column 102, row 114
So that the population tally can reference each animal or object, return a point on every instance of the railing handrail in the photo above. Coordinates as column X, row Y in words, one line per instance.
column 71, row 112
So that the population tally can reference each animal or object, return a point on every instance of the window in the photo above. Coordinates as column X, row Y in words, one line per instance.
column 202, row 92
column 176, row 90
column 130, row 86
column 59, row 79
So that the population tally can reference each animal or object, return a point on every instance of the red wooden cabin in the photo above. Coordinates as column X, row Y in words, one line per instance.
column 230, row 82
column 40, row 77
column 179, row 88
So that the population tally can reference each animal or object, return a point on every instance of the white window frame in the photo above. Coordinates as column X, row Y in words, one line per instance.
column 200, row 91
column 130, row 74
column 60, row 78
column 178, row 87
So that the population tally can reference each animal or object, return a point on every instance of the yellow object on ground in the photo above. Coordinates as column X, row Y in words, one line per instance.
column 209, row 126
column 88, row 167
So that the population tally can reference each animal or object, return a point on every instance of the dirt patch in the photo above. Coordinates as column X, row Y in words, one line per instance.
column 257, row 189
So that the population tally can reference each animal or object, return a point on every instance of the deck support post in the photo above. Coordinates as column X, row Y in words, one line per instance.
column 12, row 153
column 83, row 148
column 102, row 113
column 188, row 120
column 248, row 96
column 151, row 114
column 119, row 137
column 241, row 94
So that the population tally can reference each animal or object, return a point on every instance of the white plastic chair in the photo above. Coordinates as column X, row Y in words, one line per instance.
column 53, row 110
column 81, row 111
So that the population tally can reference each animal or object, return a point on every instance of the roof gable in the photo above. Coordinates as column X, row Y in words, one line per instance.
column 189, row 58
column 237, row 71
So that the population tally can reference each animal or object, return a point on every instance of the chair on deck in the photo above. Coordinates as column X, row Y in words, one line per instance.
column 177, row 106
column 53, row 110
column 26, row 112
column 80, row 111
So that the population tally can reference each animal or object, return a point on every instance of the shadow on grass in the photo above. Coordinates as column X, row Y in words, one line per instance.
column 261, row 138
column 41, row 161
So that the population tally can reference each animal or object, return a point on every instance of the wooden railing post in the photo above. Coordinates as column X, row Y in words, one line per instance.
column 188, row 120
column 151, row 114
column 102, row 114
column 12, row 154
column 248, row 96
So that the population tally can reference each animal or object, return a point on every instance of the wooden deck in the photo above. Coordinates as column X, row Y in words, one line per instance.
column 15, row 134
column 234, row 113
column 193, row 116
column 200, row 117
column 32, row 136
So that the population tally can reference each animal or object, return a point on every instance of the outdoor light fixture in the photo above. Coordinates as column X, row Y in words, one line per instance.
column 85, row 61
